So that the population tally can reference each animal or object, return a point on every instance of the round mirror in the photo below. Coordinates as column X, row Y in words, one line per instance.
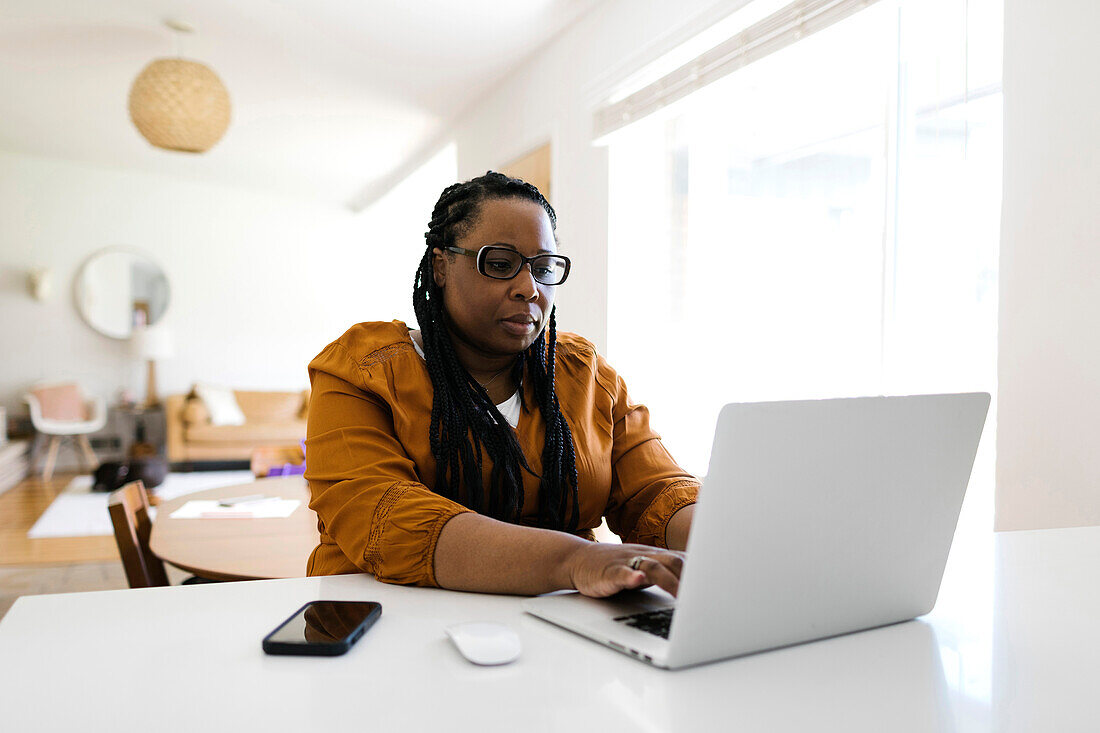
column 120, row 289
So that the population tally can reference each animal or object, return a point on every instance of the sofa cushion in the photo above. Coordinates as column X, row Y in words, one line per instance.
column 269, row 406
column 303, row 413
column 61, row 402
column 221, row 403
column 195, row 413
column 289, row 431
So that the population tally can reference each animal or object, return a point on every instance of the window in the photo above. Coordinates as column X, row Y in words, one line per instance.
column 821, row 222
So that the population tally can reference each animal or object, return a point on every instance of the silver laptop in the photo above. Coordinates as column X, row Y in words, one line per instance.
column 816, row 518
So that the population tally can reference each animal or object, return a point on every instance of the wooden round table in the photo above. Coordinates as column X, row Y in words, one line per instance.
column 239, row 549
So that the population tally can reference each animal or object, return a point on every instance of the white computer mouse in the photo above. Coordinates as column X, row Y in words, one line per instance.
column 485, row 643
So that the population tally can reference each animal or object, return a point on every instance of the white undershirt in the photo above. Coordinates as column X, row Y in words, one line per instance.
column 509, row 409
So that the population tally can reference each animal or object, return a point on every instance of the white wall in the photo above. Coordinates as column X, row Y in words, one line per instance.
column 260, row 283
column 552, row 97
column 1048, row 448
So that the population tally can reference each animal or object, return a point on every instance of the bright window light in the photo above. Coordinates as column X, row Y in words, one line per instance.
column 823, row 222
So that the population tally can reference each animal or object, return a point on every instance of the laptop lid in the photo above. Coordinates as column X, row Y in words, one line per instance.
column 821, row 517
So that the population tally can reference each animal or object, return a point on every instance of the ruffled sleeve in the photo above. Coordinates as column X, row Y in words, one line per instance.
column 365, row 490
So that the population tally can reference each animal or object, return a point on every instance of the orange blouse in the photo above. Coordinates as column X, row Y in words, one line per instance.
column 369, row 464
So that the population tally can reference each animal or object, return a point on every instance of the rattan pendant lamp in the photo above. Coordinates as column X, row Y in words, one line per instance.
column 177, row 104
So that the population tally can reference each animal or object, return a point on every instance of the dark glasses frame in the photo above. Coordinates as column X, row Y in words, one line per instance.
column 488, row 249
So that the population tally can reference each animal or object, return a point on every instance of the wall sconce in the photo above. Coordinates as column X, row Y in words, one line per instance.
column 40, row 283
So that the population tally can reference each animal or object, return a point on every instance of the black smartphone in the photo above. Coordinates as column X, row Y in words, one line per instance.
column 323, row 628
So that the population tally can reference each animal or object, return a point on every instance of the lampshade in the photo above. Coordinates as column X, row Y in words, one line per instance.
column 152, row 343
column 178, row 104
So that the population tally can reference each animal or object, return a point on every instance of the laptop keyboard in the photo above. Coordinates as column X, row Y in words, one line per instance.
column 655, row 622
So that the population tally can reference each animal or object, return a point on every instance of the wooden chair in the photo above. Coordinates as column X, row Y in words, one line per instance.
column 129, row 508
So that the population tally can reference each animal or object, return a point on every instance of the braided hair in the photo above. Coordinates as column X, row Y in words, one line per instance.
column 465, row 422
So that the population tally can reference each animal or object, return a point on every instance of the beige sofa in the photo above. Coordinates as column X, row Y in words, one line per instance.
column 271, row 419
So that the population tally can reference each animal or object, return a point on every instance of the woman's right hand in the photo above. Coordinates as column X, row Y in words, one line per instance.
column 601, row 570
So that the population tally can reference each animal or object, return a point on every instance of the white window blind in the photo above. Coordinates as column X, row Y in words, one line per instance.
column 780, row 29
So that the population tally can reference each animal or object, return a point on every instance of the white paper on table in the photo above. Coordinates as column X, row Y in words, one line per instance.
column 210, row 509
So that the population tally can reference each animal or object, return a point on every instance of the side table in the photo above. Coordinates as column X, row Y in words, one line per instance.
column 141, row 424
column 142, row 431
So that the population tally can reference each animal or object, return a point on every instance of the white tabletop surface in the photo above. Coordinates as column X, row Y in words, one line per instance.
column 1013, row 646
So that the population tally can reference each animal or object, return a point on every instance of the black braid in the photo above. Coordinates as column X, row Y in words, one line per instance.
column 465, row 422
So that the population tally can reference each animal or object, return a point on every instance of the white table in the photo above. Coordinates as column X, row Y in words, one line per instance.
column 1026, row 658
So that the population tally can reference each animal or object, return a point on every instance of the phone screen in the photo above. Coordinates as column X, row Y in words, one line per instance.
column 327, row 623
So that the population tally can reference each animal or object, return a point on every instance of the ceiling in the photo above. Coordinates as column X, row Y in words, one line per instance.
column 329, row 96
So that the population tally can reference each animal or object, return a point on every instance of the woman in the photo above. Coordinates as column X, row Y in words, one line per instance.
column 479, row 452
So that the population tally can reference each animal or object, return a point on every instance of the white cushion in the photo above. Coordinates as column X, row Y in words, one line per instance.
column 221, row 403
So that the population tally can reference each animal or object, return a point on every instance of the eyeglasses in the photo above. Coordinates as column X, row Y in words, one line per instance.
column 502, row 263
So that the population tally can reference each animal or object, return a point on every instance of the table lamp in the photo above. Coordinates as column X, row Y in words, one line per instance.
column 152, row 343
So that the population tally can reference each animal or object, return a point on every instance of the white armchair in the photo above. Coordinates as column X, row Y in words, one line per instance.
column 60, row 410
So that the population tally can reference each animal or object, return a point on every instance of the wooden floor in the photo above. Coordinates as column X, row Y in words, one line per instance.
column 52, row 565
column 20, row 508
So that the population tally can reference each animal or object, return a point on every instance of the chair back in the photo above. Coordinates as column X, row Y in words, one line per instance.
column 60, row 401
column 129, row 509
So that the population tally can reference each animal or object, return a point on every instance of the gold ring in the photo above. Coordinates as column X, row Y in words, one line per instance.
column 636, row 561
